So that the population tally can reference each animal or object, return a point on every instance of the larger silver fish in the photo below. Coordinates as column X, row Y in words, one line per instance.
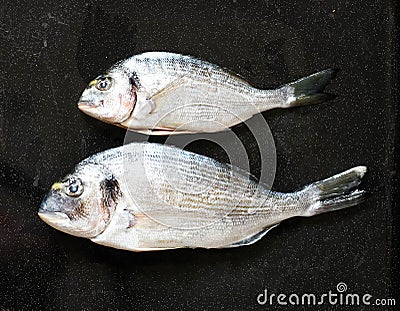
column 145, row 196
column 165, row 93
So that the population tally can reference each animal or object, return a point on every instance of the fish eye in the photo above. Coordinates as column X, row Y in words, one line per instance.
column 74, row 187
column 104, row 84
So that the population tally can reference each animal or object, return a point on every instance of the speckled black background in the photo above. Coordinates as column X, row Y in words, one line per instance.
column 50, row 51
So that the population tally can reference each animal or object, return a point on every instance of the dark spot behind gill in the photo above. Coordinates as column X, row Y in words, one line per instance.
column 134, row 81
column 134, row 86
column 110, row 194
column 111, row 189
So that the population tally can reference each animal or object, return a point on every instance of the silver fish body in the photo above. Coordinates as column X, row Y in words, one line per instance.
column 165, row 93
column 145, row 196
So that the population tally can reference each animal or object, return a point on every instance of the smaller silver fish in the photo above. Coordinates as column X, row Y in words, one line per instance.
column 144, row 197
column 162, row 93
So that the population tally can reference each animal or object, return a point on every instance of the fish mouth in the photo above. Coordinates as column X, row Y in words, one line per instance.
column 86, row 105
column 57, row 220
column 52, row 218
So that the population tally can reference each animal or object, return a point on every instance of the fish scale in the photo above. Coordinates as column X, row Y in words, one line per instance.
column 156, row 200
column 176, row 66
column 167, row 93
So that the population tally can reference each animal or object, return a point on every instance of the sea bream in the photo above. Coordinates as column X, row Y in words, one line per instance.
column 163, row 93
column 146, row 196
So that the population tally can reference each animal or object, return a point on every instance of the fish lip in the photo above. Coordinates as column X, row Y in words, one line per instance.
column 86, row 105
column 52, row 217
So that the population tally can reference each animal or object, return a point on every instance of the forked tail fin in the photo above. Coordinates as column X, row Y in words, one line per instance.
column 336, row 192
column 310, row 90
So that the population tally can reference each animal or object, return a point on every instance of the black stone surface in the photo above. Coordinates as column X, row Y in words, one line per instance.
column 48, row 53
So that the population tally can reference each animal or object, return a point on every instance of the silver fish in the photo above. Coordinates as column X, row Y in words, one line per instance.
column 165, row 93
column 146, row 196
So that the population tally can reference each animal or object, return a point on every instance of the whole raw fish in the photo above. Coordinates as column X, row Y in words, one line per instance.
column 163, row 93
column 145, row 196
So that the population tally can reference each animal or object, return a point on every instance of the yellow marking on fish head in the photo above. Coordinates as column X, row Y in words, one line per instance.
column 93, row 82
column 57, row 186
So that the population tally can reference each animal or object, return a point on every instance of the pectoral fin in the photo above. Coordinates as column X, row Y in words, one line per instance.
column 168, row 88
column 252, row 238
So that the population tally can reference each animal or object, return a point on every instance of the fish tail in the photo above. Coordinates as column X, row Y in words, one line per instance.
column 336, row 192
column 310, row 90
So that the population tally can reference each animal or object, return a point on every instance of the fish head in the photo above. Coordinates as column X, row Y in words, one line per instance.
column 110, row 97
column 83, row 203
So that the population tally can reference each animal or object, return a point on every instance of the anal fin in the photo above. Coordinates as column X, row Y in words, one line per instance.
column 252, row 238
